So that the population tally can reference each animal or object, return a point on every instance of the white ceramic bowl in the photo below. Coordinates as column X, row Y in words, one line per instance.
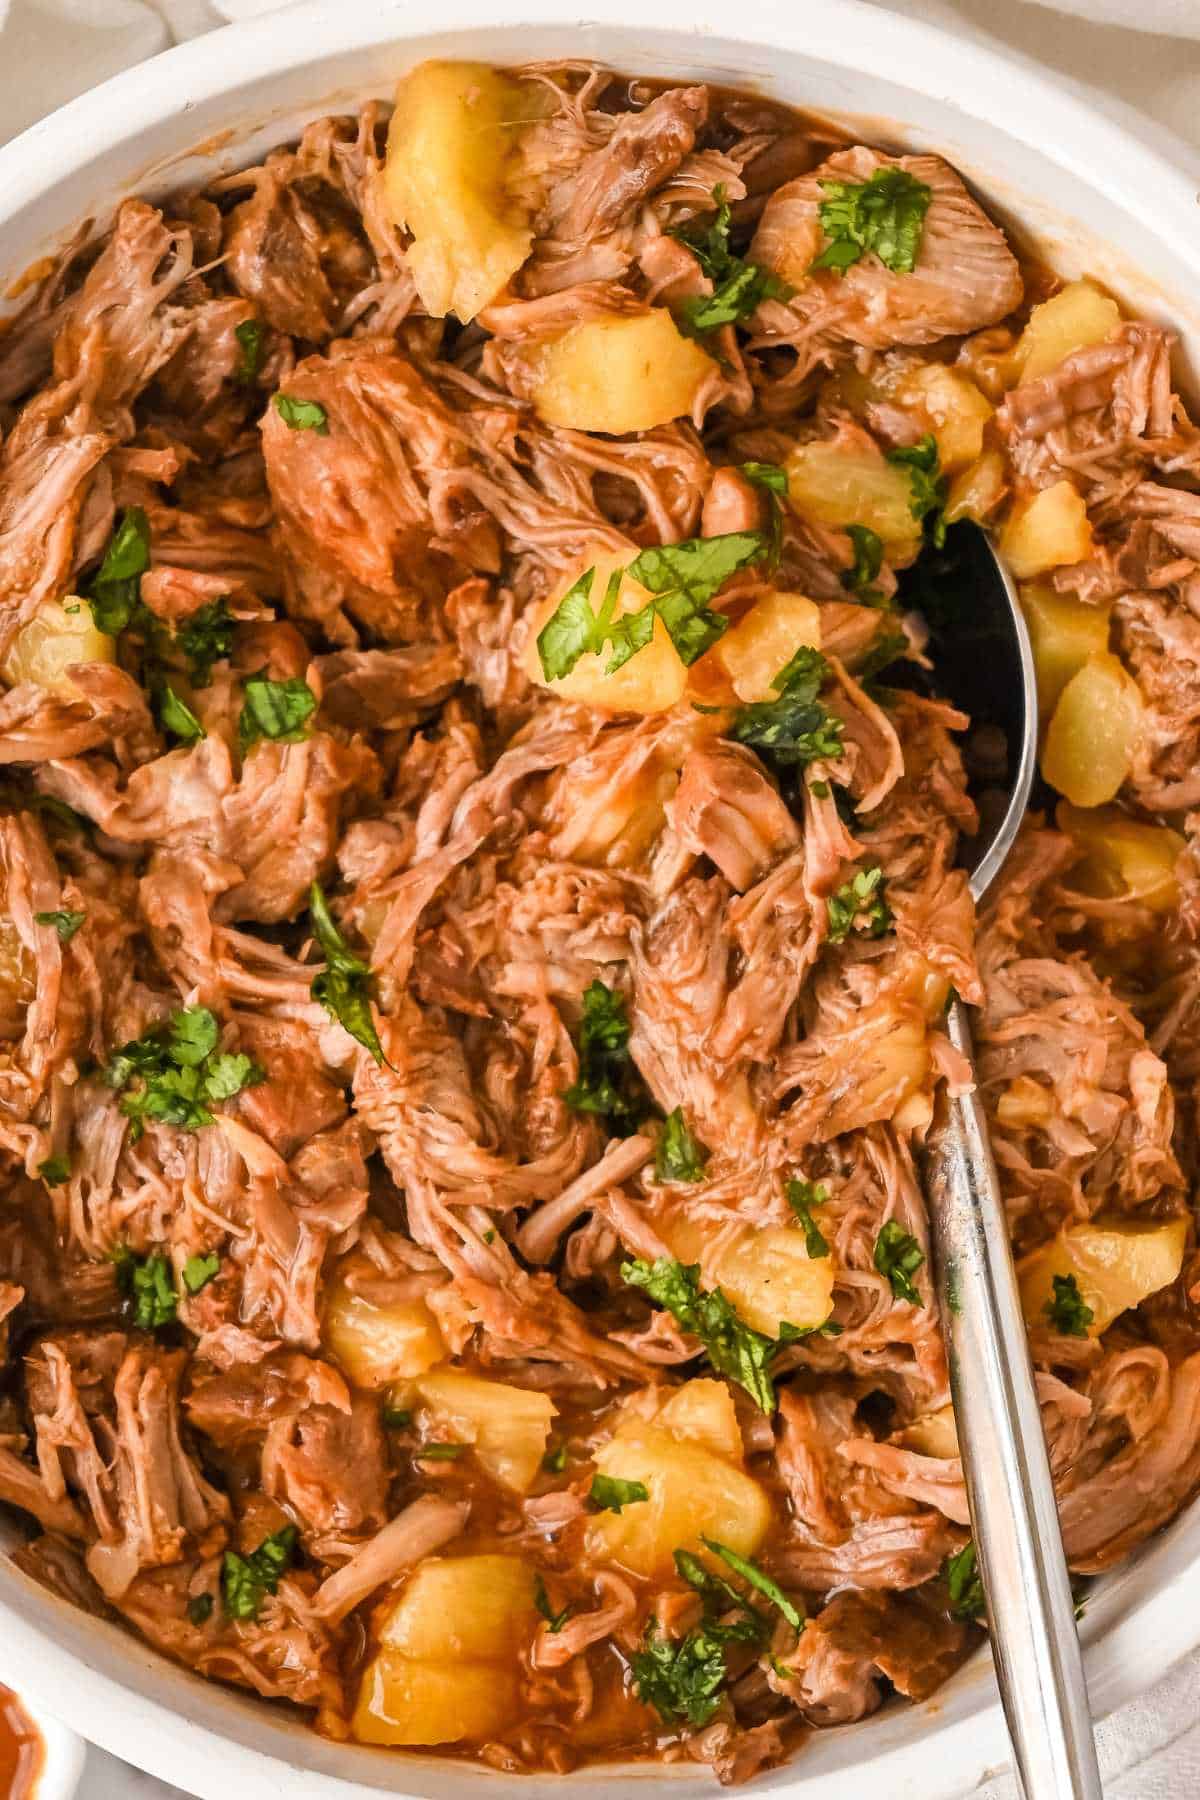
column 1095, row 196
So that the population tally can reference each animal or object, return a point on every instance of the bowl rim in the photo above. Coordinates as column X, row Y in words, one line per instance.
column 1108, row 148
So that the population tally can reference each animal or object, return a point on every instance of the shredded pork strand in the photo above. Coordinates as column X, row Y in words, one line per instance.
column 576, row 1137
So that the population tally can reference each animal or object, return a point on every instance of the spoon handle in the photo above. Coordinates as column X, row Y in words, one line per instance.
column 1031, row 1612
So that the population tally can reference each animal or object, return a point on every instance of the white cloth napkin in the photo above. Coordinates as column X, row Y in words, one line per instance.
column 51, row 50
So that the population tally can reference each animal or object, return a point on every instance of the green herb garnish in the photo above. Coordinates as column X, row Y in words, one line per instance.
column 174, row 1072
column 678, row 1155
column 898, row 1256
column 611, row 1493
column 198, row 1271
column 206, row 637
column 738, row 286
column 967, row 1600
column 609, row 1084
column 440, row 1452
column 397, row 1418
column 65, row 923
column 249, row 335
column 1066, row 1309
column 794, row 729
column 734, row 1349
column 884, row 215
column 301, row 415
column 55, row 1170
column 541, row 1599
column 344, row 986
column 758, row 1580
column 247, row 1580
column 178, row 718
column 148, row 1284
column 279, row 710
column 115, row 590
column 802, row 1196
column 928, row 486
column 868, row 560
column 555, row 1461
column 859, row 905
column 681, row 1680
column 199, row 1609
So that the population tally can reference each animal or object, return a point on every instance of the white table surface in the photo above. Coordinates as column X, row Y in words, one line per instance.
column 1150, row 1750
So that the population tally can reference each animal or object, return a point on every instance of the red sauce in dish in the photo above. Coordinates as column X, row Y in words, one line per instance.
column 20, row 1749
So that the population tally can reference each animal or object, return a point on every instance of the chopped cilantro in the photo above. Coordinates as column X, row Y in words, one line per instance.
column 681, row 1680
column 1067, row 1309
column 773, row 480
column 178, row 718
column 178, row 1072
column 148, row 1284
column 718, row 1596
column 734, row 1349
column 199, row 1609
column 55, row 1170
column 859, row 905
column 967, row 1599
column 884, row 215
column 886, row 649
column 397, row 1418
column 198, row 1271
column 611, row 1493
column 541, row 1599
column 275, row 709
column 247, row 1580
column 679, row 1156
column 65, row 923
column 928, row 486
column 344, row 986
column 206, row 637
column 440, row 1452
column 249, row 335
column 868, row 560
column 301, row 415
column 794, row 729
column 609, row 1084
column 555, row 1461
column 898, row 1256
column 758, row 1580
column 115, row 590
column 802, row 1196
column 738, row 286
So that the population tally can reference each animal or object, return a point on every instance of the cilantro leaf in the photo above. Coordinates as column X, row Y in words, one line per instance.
column 396, row 1418
column 734, row 1349
column 1066, row 1309
column 679, row 1156
column 55, row 1170
column 898, row 1256
column 440, row 1452
column 610, row 1493
column 249, row 335
column 206, row 637
column 199, row 1609
column 65, row 923
column 685, row 577
column 774, row 482
column 275, row 709
column 967, row 1599
column 802, row 1196
column 884, row 215
column 344, row 986
column 929, row 486
column 301, row 415
column 193, row 1035
column 868, row 560
column 115, row 589
column 681, row 1680
column 738, row 286
column 178, row 718
column 718, row 1596
column 148, row 1284
column 609, row 1084
column 859, row 905
column 178, row 1072
column 555, row 1461
column 541, row 1599
column 198, row 1271
column 795, row 729
column 887, row 648
column 757, row 1579
column 247, row 1580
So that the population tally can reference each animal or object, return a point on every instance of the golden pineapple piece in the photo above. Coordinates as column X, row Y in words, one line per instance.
column 619, row 374
column 1116, row 1263
column 52, row 642
column 651, row 681
column 1093, row 732
column 693, row 1494
column 764, row 1271
column 405, row 1702
column 1072, row 320
column 508, row 1426
column 377, row 1345
column 1064, row 634
column 933, row 1434
column 976, row 491
column 1124, row 857
column 701, row 1411
column 450, row 154
column 753, row 651
column 854, row 484
column 952, row 407
column 1045, row 531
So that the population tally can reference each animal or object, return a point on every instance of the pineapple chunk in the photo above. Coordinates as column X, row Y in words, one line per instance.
column 693, row 1494
column 619, row 374
column 766, row 1272
column 1124, row 857
column 1077, row 317
column 651, row 681
column 446, row 1670
column 1093, row 732
column 52, row 642
column 450, row 152
column 934, row 1434
column 976, row 491
column 508, row 1426
column 376, row 1345
column 851, row 484
column 702, row 1412
column 1116, row 1264
column 1045, row 531
column 764, row 642
column 1064, row 634
column 955, row 410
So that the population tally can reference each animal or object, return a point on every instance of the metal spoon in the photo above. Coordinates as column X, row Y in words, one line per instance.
column 983, row 662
